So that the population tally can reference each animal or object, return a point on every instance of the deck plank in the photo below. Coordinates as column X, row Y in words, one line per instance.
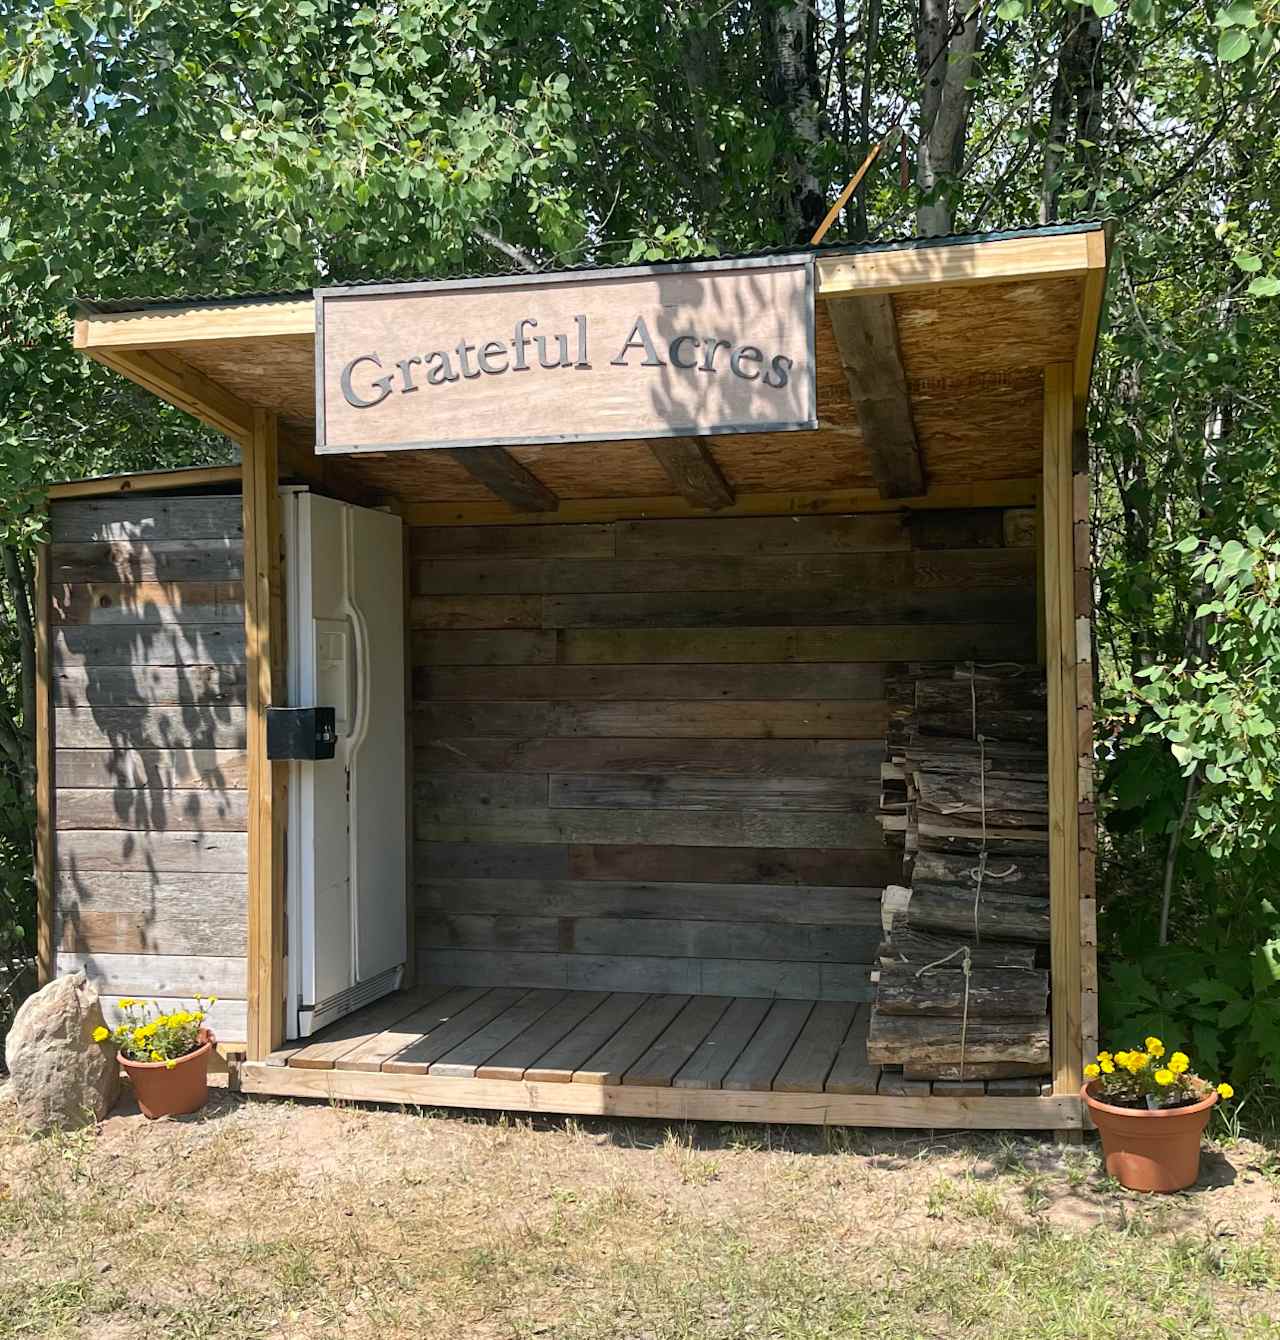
column 717, row 1052
column 809, row 1062
column 852, row 1072
column 416, row 1058
column 370, row 1055
column 609, row 1063
column 345, row 1035
column 521, row 1052
column 664, row 1058
column 560, row 1062
column 763, row 1056
column 464, row 1060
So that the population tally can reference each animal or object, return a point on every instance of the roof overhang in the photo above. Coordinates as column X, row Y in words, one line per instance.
column 967, row 325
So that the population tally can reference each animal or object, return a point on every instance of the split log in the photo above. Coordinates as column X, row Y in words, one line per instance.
column 945, row 872
column 923, row 1043
column 1029, row 1072
column 1006, row 712
column 995, row 757
column 935, row 832
column 1034, row 1087
column 943, row 993
column 917, row 948
column 996, row 916
column 1008, row 802
column 893, row 906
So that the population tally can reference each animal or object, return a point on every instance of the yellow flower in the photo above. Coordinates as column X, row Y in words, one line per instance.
column 169, row 1064
column 1163, row 1076
column 126, row 1002
column 1155, row 1046
column 1226, row 1091
column 213, row 1000
column 101, row 1034
column 1178, row 1063
column 1104, row 1057
column 1092, row 1071
column 155, row 1056
column 1140, row 1061
column 1108, row 1067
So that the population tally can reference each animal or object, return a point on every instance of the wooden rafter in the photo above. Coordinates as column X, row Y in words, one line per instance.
column 503, row 475
column 866, row 333
column 690, row 467
column 167, row 376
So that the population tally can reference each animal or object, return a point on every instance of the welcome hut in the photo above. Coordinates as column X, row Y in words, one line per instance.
column 656, row 691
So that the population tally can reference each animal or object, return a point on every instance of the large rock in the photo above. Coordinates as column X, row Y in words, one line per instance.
column 59, row 1076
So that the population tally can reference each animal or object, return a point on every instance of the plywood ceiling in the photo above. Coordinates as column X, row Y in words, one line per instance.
column 973, row 358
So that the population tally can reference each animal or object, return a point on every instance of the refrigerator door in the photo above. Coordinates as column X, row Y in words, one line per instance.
column 347, row 815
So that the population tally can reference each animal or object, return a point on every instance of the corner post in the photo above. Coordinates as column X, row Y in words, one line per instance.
column 264, row 648
column 1061, row 673
column 45, row 792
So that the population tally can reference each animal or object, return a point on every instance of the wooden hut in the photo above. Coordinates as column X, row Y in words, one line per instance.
column 537, row 716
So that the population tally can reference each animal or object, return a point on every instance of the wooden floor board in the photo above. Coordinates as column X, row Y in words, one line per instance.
column 852, row 1072
column 416, row 1058
column 810, row 1060
column 564, row 1057
column 609, row 1063
column 370, row 1055
column 344, row 1036
column 763, row 1056
column 466, row 1058
column 677, row 1043
column 716, row 1053
column 521, row 1052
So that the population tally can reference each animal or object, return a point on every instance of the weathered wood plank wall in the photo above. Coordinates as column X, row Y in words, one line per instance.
column 648, row 753
column 150, row 807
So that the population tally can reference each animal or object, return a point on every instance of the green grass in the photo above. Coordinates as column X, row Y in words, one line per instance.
column 271, row 1220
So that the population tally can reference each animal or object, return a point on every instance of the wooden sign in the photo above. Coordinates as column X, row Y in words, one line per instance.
column 657, row 351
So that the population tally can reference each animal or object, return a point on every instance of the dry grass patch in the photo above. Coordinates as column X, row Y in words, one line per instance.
column 299, row 1220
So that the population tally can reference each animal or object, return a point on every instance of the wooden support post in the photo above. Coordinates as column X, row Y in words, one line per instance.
column 1061, row 674
column 866, row 332
column 690, row 467
column 504, row 476
column 45, row 792
column 264, row 647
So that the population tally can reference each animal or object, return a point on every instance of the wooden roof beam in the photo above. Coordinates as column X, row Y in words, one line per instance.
column 503, row 475
column 166, row 376
column 690, row 467
column 866, row 334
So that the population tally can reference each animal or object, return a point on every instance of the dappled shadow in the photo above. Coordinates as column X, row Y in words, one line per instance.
column 148, row 672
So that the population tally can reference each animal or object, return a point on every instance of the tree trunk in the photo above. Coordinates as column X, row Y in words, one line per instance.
column 945, row 51
column 1075, row 114
column 791, row 80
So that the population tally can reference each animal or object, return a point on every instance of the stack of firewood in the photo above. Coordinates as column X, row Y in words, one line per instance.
column 961, row 995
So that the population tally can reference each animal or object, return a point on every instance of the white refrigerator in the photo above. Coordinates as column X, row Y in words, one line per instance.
column 346, row 933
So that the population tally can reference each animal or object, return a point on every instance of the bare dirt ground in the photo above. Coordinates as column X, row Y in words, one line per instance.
column 265, row 1218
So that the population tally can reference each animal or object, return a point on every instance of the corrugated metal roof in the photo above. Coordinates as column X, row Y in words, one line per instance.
column 110, row 306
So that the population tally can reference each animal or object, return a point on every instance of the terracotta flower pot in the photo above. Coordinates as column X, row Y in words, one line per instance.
column 165, row 1092
column 1151, row 1149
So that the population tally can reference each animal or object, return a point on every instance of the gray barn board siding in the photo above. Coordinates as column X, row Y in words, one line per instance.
column 647, row 755
column 150, row 769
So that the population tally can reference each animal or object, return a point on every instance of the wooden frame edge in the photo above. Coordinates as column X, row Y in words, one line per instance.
column 263, row 616
column 818, row 1109
column 1060, row 671
column 146, row 481
column 172, row 327
column 46, row 792
column 164, row 375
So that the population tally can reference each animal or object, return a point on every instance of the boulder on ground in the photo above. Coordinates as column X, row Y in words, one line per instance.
column 59, row 1076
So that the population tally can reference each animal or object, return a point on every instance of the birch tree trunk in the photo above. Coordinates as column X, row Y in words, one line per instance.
column 945, row 50
column 789, row 51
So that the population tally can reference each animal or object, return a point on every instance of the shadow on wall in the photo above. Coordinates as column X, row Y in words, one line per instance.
column 147, row 626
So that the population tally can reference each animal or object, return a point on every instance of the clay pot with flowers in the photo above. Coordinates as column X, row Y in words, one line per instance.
column 166, row 1056
column 1150, row 1110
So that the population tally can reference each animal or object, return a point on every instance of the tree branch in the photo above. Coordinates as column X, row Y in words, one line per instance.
column 508, row 249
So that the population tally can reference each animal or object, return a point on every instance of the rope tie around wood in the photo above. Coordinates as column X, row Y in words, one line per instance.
column 966, row 965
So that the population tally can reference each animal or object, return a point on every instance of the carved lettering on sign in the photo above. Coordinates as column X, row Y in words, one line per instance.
column 687, row 350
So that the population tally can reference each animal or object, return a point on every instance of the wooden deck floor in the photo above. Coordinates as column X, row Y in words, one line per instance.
column 631, row 1054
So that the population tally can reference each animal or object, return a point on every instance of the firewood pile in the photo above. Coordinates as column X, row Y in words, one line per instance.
column 962, row 991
